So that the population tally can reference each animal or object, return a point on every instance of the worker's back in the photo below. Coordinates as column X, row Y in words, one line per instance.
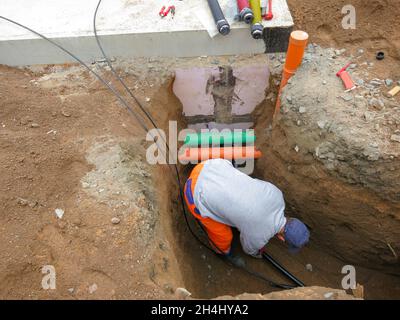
column 227, row 195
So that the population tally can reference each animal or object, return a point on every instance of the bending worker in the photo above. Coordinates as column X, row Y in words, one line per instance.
column 221, row 197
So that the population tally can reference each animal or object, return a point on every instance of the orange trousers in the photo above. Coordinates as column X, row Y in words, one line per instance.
column 220, row 234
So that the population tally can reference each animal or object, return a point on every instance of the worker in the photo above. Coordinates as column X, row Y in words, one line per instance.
column 220, row 197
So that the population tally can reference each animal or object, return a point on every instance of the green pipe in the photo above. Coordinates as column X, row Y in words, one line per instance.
column 256, row 27
column 220, row 138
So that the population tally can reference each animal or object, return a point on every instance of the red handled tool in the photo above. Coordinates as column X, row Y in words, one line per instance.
column 161, row 13
column 345, row 76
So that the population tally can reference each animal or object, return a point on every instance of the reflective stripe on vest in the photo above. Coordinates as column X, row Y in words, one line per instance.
column 189, row 195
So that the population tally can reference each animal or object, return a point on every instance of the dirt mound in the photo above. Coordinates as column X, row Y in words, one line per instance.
column 67, row 144
column 336, row 158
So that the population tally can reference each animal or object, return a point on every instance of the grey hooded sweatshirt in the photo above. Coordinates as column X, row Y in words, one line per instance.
column 254, row 207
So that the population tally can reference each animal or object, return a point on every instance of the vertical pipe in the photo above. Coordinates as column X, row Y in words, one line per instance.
column 245, row 13
column 294, row 57
column 219, row 18
column 257, row 27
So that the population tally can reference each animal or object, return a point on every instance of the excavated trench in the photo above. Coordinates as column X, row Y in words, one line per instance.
column 328, row 205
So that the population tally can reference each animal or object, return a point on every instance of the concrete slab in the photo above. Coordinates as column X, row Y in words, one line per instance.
column 129, row 28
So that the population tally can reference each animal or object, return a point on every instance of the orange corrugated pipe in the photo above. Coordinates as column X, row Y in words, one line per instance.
column 230, row 153
column 294, row 56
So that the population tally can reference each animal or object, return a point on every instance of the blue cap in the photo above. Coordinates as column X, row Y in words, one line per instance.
column 296, row 234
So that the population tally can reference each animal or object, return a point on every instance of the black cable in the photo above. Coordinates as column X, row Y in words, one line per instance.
column 270, row 282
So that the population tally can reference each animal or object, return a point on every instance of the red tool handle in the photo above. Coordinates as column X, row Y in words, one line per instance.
column 345, row 76
column 347, row 81
column 343, row 69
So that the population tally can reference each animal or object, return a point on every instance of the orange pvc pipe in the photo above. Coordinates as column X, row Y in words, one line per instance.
column 229, row 153
column 294, row 56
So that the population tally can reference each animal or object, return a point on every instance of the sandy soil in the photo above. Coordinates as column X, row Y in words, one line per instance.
column 71, row 146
